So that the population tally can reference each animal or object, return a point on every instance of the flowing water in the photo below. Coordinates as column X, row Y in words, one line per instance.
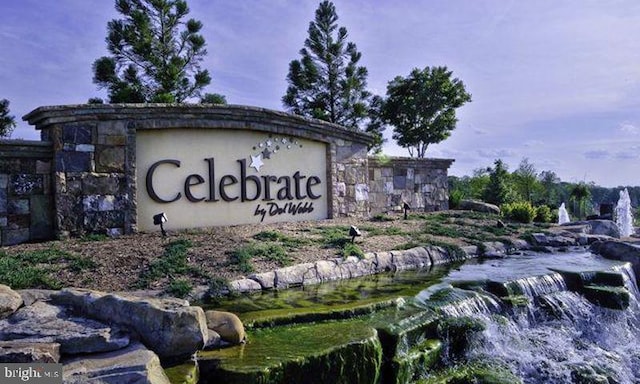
column 560, row 336
column 554, row 334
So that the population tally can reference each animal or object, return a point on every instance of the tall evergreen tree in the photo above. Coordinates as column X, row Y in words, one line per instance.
column 326, row 82
column 7, row 121
column 155, row 54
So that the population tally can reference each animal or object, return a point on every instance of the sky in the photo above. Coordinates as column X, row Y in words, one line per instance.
column 553, row 81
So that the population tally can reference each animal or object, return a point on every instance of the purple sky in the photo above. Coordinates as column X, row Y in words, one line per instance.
column 555, row 81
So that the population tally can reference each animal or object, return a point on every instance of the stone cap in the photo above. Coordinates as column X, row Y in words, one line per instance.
column 158, row 116
column 424, row 162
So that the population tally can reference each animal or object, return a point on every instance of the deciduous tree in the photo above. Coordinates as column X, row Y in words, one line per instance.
column 422, row 107
column 155, row 54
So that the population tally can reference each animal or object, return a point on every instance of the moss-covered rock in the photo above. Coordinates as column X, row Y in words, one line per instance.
column 459, row 333
column 477, row 373
column 333, row 352
column 415, row 363
column 608, row 297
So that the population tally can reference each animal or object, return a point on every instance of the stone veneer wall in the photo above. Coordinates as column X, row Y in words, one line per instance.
column 94, row 160
column 422, row 183
column 26, row 196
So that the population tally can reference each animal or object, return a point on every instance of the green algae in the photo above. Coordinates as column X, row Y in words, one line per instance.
column 330, row 300
column 477, row 373
column 186, row 373
column 607, row 297
column 419, row 360
column 337, row 352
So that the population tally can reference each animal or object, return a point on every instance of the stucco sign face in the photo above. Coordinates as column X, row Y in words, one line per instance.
column 204, row 177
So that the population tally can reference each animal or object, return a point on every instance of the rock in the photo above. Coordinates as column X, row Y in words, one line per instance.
column 134, row 364
column 42, row 322
column 213, row 340
column 267, row 280
column 479, row 206
column 413, row 258
column 539, row 239
column 500, row 224
column 608, row 297
column 245, row 285
column 227, row 325
column 327, row 270
column 616, row 250
column 601, row 227
column 292, row 276
column 10, row 301
column 30, row 296
column 17, row 351
column 169, row 327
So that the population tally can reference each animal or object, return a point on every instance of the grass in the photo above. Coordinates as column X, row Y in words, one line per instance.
column 179, row 288
column 241, row 257
column 36, row 269
column 171, row 264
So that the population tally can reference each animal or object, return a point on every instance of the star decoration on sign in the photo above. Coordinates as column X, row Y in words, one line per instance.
column 270, row 147
column 256, row 162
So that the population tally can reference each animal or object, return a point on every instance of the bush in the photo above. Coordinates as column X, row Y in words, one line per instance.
column 455, row 197
column 543, row 214
column 522, row 212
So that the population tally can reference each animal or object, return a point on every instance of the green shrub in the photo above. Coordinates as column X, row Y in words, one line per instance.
column 242, row 256
column 352, row 249
column 521, row 211
column 455, row 197
column 543, row 214
column 179, row 288
column 381, row 217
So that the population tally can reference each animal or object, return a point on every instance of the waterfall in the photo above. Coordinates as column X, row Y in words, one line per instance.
column 479, row 305
column 624, row 219
column 568, row 339
column 535, row 286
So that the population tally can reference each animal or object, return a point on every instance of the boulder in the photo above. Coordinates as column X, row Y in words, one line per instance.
column 479, row 206
column 10, row 301
column 42, row 322
column 30, row 296
column 134, row 364
column 169, row 327
column 601, row 227
column 227, row 325
column 16, row 351
column 267, row 280
column 616, row 250
column 293, row 276
column 244, row 285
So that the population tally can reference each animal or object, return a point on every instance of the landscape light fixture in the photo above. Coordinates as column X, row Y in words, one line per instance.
column 160, row 219
column 353, row 232
column 406, row 208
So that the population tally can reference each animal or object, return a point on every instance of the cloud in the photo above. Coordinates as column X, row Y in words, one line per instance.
column 496, row 153
column 596, row 154
column 479, row 131
column 625, row 155
column 533, row 143
column 629, row 128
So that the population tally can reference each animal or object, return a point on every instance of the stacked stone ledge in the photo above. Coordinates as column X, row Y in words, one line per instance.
column 416, row 258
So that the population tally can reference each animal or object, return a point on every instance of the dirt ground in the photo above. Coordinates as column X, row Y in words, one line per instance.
column 119, row 262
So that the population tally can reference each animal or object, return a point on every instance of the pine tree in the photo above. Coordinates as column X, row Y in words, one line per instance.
column 7, row 121
column 155, row 54
column 326, row 82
